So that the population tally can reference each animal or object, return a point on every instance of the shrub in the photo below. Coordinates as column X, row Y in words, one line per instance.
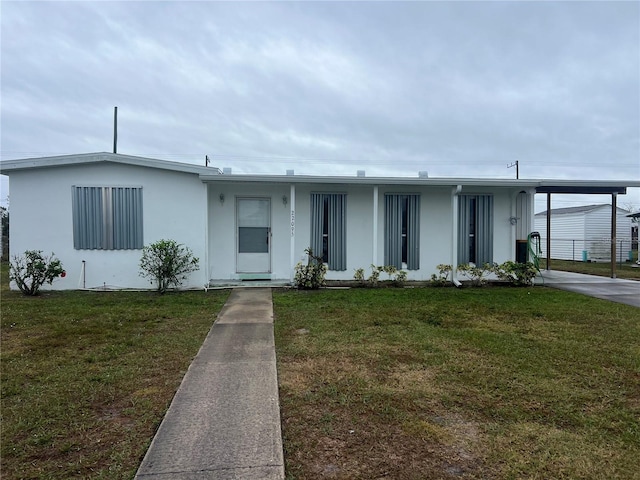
column 397, row 277
column 400, row 278
column 517, row 274
column 32, row 270
column 374, row 278
column 442, row 278
column 167, row 263
column 390, row 270
column 475, row 274
column 311, row 275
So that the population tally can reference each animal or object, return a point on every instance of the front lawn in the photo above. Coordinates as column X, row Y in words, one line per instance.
column 446, row 383
column 86, row 377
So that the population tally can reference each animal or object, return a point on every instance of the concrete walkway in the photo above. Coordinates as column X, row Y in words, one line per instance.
column 613, row 289
column 224, row 421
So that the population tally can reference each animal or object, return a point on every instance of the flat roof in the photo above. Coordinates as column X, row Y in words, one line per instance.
column 214, row 175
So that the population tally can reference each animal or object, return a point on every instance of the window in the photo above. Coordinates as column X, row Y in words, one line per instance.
column 329, row 228
column 107, row 218
column 475, row 229
column 402, row 231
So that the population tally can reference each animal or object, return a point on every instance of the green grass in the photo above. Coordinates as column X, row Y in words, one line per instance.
column 623, row 270
column 86, row 377
column 447, row 383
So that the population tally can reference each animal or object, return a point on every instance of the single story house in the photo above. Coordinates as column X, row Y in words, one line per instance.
column 96, row 211
column 584, row 233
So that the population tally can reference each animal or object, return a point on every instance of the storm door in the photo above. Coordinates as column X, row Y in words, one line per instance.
column 253, row 236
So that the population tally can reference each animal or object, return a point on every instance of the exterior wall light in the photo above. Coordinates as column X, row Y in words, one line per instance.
column 284, row 200
column 221, row 198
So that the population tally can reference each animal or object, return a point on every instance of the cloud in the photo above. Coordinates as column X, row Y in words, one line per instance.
column 456, row 88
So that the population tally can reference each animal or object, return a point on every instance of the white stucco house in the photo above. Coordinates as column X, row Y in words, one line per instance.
column 96, row 211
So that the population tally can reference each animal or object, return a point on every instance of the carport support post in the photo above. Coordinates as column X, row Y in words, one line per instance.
column 548, row 231
column 614, row 215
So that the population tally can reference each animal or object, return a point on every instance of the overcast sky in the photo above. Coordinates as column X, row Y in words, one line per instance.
column 454, row 88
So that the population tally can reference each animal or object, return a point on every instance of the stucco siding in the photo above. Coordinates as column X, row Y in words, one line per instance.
column 42, row 220
column 359, row 226
column 201, row 213
column 436, row 227
column 222, row 228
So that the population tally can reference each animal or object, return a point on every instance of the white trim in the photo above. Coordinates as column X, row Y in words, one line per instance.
column 455, row 192
column 375, row 225
column 88, row 158
column 292, row 219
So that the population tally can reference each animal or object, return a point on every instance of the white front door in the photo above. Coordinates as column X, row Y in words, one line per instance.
column 253, row 235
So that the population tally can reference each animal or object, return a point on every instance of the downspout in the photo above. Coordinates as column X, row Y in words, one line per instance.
column 454, row 241
column 83, row 275
column 207, row 269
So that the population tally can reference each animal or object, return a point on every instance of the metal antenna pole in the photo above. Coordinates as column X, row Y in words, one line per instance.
column 517, row 165
column 115, row 130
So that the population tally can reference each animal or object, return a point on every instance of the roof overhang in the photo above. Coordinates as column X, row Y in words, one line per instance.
column 10, row 166
column 343, row 180
column 585, row 186
column 213, row 175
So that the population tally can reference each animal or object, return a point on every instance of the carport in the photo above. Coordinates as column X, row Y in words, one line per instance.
column 585, row 188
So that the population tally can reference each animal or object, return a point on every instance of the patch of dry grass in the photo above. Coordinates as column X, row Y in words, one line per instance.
column 445, row 383
column 86, row 377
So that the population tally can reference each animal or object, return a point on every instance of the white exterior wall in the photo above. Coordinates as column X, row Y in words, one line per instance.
column 359, row 226
column 179, row 206
column 41, row 219
column 222, row 228
column 436, row 226
column 436, row 223
column 504, row 234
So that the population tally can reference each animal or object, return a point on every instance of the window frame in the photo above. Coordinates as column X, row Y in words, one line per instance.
column 402, row 230
column 475, row 228
column 107, row 217
column 329, row 228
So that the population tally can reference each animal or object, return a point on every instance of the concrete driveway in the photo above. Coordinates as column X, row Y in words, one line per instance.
column 612, row 289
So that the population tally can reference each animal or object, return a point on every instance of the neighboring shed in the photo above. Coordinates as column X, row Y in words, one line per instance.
column 583, row 233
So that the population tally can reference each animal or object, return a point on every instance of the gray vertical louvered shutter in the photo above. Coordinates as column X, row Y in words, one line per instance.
column 484, row 229
column 337, row 241
column 337, row 232
column 393, row 228
column 463, row 229
column 316, row 223
column 413, row 232
column 127, row 218
column 107, row 218
column 88, row 222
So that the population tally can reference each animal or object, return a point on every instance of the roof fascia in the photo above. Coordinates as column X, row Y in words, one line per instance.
column 336, row 180
column 9, row 166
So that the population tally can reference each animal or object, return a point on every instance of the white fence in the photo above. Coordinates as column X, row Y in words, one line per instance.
column 597, row 249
